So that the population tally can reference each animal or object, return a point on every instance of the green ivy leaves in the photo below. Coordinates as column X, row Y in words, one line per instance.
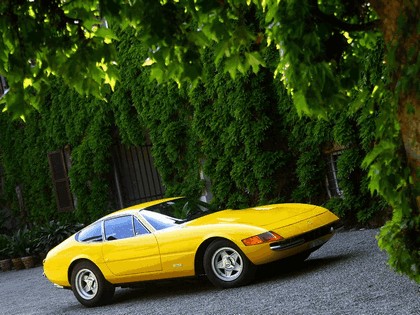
column 44, row 39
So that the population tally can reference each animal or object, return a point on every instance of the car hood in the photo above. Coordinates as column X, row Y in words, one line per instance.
column 269, row 217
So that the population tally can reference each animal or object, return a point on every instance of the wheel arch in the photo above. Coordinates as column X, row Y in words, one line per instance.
column 199, row 255
column 74, row 263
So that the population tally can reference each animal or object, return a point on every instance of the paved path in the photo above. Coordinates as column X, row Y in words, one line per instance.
column 348, row 275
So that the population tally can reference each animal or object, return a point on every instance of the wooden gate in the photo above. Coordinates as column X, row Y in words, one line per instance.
column 136, row 177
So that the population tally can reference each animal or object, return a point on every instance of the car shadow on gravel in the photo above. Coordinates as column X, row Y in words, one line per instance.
column 289, row 268
column 163, row 289
column 192, row 286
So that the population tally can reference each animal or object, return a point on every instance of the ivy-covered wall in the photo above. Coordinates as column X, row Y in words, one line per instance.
column 244, row 135
column 67, row 120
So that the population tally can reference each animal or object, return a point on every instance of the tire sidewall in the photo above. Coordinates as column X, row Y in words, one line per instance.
column 246, row 275
column 105, row 289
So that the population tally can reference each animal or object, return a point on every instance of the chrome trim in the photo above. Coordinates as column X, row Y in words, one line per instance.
column 307, row 237
column 338, row 226
column 277, row 246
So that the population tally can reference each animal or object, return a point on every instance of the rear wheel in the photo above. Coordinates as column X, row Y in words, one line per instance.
column 226, row 266
column 89, row 285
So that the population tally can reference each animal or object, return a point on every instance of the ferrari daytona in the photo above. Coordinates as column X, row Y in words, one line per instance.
column 177, row 237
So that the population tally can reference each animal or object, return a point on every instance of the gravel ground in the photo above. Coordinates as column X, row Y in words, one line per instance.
column 348, row 275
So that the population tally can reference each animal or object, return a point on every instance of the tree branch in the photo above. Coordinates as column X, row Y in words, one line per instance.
column 332, row 20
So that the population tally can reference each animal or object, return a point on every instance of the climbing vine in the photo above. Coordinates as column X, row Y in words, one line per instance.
column 323, row 48
column 243, row 134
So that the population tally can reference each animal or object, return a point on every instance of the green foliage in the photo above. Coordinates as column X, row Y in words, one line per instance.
column 242, row 138
column 91, row 164
column 390, row 177
column 53, row 233
column 5, row 248
column 40, row 39
column 323, row 53
column 388, row 172
column 67, row 119
column 307, row 137
column 253, row 152
column 20, row 243
column 162, row 112
column 40, row 239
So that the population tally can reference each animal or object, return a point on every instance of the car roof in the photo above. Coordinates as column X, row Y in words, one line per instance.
column 138, row 207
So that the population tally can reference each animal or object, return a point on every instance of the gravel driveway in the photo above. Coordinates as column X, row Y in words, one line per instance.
column 348, row 275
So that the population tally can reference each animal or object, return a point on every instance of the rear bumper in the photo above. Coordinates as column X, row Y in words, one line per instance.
column 314, row 237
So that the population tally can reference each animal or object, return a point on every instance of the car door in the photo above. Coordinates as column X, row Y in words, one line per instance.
column 129, row 248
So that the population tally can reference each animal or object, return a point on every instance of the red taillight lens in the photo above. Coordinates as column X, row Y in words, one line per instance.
column 262, row 238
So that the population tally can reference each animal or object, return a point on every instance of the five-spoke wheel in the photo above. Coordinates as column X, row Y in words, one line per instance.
column 86, row 284
column 226, row 266
column 89, row 286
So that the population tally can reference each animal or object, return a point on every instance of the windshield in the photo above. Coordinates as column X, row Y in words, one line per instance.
column 176, row 211
column 159, row 221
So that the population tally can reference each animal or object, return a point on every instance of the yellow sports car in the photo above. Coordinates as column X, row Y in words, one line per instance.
column 177, row 237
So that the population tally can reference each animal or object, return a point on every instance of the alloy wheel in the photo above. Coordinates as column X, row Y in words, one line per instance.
column 86, row 284
column 227, row 264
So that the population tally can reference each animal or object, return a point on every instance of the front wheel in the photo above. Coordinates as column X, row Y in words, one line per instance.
column 226, row 266
column 89, row 285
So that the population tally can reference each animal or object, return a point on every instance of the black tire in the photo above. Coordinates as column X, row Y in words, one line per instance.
column 89, row 285
column 226, row 266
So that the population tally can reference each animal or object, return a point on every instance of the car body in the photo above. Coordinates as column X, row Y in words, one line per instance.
column 177, row 237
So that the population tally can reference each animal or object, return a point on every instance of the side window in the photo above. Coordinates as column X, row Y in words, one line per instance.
column 92, row 233
column 119, row 228
column 139, row 229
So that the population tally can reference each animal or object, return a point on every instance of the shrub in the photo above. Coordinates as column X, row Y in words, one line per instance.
column 53, row 233
column 5, row 247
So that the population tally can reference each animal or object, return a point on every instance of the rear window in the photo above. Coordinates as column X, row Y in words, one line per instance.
column 92, row 233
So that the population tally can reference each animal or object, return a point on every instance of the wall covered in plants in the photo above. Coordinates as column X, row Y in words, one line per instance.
column 244, row 135
column 67, row 120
